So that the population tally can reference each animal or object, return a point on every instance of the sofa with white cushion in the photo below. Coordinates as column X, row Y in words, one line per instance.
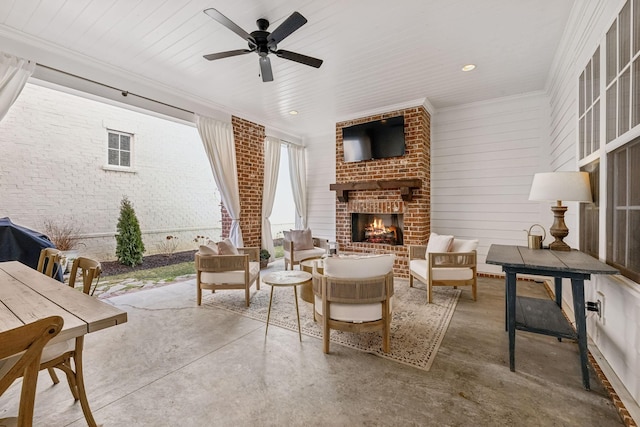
column 444, row 261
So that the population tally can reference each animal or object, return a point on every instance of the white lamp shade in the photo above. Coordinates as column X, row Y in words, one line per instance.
column 568, row 186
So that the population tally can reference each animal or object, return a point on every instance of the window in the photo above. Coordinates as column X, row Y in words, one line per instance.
column 120, row 149
column 590, row 213
column 623, row 209
column 589, row 107
column 623, row 72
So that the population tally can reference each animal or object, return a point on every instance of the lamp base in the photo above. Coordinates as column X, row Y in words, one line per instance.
column 559, row 229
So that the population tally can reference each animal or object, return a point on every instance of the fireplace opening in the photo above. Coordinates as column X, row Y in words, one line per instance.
column 377, row 228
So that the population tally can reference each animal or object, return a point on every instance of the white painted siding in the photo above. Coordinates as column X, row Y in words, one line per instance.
column 617, row 336
column 53, row 149
column 483, row 157
column 321, row 172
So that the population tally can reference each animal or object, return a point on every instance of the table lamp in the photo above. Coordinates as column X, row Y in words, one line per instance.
column 559, row 186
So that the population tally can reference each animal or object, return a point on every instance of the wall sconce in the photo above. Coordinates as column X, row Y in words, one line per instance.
column 559, row 186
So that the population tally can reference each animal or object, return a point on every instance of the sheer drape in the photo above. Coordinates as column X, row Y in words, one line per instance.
column 14, row 73
column 271, row 167
column 298, row 176
column 217, row 138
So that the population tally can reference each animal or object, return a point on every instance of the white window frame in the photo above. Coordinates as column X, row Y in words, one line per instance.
column 119, row 167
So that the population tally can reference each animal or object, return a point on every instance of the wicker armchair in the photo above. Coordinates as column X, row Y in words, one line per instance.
column 359, row 302
column 293, row 255
column 455, row 268
column 228, row 271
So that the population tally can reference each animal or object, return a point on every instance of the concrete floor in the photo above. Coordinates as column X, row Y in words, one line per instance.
column 175, row 364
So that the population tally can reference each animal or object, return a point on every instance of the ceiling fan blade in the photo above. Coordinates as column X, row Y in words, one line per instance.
column 229, row 24
column 292, row 23
column 265, row 69
column 226, row 54
column 297, row 57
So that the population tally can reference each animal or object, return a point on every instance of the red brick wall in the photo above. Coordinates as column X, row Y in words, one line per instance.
column 249, row 142
column 415, row 164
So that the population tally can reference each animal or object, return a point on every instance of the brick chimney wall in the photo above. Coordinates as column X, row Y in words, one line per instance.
column 249, row 141
column 415, row 164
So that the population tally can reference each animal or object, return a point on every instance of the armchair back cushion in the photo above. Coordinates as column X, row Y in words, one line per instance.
column 301, row 239
column 439, row 243
column 226, row 247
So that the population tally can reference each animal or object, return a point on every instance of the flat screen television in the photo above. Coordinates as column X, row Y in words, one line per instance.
column 374, row 140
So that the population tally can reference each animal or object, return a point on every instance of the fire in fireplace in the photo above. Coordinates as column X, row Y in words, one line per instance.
column 377, row 228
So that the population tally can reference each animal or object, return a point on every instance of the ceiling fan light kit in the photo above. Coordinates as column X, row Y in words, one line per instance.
column 263, row 42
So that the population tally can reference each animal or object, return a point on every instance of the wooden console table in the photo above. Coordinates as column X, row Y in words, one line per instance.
column 545, row 316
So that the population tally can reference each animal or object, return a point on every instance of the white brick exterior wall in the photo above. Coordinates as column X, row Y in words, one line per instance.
column 53, row 153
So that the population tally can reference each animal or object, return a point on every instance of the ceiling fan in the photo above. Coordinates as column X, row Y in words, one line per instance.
column 263, row 42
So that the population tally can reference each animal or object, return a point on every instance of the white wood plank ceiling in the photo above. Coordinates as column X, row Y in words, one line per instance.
column 376, row 53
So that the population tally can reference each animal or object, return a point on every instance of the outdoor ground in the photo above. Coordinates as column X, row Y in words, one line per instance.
column 112, row 268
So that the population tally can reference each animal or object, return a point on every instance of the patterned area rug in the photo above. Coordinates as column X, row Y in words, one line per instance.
column 417, row 328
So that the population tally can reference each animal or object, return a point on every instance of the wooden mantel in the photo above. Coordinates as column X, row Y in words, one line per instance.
column 405, row 185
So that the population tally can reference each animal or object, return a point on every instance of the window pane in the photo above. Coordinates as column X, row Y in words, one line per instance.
column 634, row 176
column 581, row 144
column 636, row 26
column 581, row 95
column 125, row 158
column 596, row 126
column 587, row 130
column 634, row 240
column 624, row 33
column 636, row 91
column 125, row 142
column 590, row 213
column 620, row 234
column 612, row 121
column 113, row 140
column 620, row 179
column 113, row 157
column 623, row 101
column 595, row 61
column 588, row 100
column 612, row 51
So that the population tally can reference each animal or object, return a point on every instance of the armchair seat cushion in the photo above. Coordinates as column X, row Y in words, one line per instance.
column 303, row 254
column 419, row 267
column 230, row 277
column 354, row 313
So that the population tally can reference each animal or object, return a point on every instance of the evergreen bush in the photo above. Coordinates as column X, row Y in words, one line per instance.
column 129, row 246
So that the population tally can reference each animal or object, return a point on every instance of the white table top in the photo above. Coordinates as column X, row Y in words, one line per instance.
column 286, row 278
column 27, row 295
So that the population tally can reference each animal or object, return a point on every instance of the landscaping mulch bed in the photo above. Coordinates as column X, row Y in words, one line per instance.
column 112, row 268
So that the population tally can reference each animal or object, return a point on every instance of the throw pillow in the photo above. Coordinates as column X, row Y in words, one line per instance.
column 210, row 249
column 226, row 247
column 301, row 239
column 439, row 243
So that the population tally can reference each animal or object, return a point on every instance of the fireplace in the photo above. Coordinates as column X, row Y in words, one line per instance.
column 379, row 228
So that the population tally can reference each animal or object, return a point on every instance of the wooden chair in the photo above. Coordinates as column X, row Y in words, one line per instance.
column 90, row 270
column 25, row 344
column 359, row 302
column 295, row 249
column 67, row 355
column 217, row 272
column 49, row 261
column 455, row 268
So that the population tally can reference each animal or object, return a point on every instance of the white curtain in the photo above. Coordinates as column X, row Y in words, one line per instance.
column 14, row 73
column 217, row 138
column 271, row 167
column 298, row 176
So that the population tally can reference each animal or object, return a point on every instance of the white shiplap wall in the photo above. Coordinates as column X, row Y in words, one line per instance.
column 483, row 157
column 321, row 172
column 616, row 336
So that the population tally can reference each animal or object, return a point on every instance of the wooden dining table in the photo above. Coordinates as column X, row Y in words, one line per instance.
column 27, row 295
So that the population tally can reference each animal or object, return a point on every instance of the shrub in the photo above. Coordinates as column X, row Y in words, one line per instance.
column 129, row 246
column 64, row 235
column 168, row 245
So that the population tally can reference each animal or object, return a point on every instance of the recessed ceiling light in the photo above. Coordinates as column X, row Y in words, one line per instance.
column 468, row 67
column 293, row 112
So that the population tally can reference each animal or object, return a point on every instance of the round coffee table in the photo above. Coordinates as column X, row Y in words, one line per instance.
column 286, row 278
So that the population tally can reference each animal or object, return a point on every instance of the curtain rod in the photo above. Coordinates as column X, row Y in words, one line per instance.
column 123, row 92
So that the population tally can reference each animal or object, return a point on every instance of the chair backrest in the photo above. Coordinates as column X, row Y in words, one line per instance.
column 27, row 341
column 90, row 270
column 49, row 261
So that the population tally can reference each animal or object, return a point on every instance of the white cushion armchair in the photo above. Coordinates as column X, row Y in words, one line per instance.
column 232, row 271
column 299, row 245
column 445, row 261
column 355, row 294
